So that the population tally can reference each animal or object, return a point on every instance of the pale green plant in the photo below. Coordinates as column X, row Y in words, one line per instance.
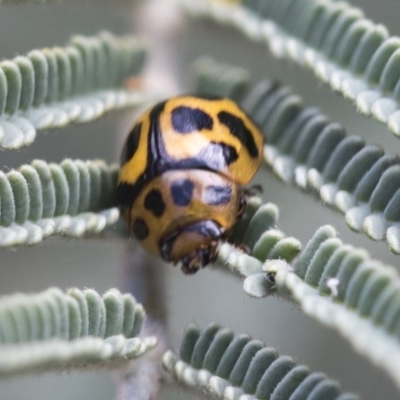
column 336, row 284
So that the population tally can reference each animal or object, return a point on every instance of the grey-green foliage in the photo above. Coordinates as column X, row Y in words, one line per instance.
column 355, row 56
column 338, row 285
column 76, row 313
column 350, row 276
column 341, row 287
column 70, row 198
column 76, row 329
column 52, row 87
column 49, row 88
column 232, row 367
column 257, row 232
column 334, row 283
column 304, row 147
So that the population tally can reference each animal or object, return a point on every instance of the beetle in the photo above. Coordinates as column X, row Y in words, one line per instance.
column 183, row 167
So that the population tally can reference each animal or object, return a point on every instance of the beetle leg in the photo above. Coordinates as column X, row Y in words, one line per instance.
column 242, row 206
column 245, row 193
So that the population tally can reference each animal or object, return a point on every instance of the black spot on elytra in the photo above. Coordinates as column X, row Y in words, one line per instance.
column 187, row 120
column 125, row 194
column 239, row 130
column 154, row 202
column 229, row 152
column 218, row 195
column 140, row 229
column 131, row 144
column 182, row 192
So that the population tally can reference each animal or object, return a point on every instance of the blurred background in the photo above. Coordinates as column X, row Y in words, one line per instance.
column 209, row 296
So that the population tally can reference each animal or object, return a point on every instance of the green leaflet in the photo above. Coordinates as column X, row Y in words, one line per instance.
column 53, row 87
column 338, row 285
column 71, row 198
column 355, row 56
column 305, row 148
column 77, row 329
column 351, row 277
column 70, row 315
column 227, row 366
column 81, row 354
column 257, row 232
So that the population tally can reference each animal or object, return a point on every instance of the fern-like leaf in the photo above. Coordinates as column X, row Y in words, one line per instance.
column 305, row 148
column 257, row 232
column 238, row 367
column 54, row 330
column 52, row 87
column 355, row 56
column 71, row 198
column 338, row 285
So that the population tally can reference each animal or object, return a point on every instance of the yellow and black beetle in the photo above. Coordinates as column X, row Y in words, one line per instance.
column 182, row 170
